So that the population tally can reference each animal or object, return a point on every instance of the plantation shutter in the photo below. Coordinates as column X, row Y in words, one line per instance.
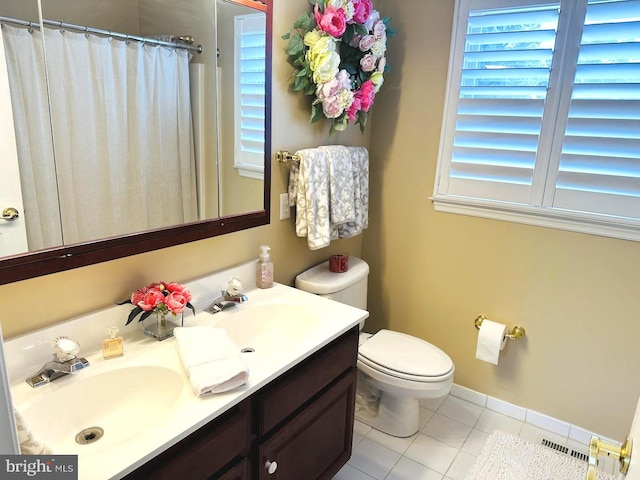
column 250, row 96
column 599, row 168
column 503, row 86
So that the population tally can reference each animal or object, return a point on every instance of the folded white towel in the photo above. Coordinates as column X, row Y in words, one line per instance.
column 212, row 361
column 28, row 444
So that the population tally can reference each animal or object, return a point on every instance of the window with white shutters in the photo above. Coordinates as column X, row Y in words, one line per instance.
column 250, row 46
column 542, row 116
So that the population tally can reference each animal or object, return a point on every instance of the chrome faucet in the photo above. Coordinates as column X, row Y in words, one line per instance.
column 64, row 362
column 228, row 298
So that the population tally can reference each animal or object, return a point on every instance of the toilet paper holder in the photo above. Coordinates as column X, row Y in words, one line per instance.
column 516, row 332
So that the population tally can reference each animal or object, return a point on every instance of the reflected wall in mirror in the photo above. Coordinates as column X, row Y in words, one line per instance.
column 129, row 159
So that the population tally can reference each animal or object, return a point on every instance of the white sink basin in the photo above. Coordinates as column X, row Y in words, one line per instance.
column 121, row 402
column 268, row 327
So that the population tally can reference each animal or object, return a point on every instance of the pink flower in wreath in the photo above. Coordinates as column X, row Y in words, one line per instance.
column 362, row 10
column 367, row 94
column 332, row 21
column 355, row 107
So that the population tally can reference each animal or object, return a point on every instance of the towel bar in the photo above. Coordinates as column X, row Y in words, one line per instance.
column 282, row 156
column 516, row 332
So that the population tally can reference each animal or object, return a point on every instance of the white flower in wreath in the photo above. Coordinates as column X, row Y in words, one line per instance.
column 378, row 48
column 346, row 5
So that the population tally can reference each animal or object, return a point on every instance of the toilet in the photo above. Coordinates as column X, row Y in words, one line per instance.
column 395, row 370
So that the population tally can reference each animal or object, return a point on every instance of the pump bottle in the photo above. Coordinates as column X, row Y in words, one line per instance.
column 264, row 269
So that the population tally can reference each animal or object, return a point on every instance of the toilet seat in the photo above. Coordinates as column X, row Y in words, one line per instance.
column 405, row 357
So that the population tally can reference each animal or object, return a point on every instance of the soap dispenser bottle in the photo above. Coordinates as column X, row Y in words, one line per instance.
column 112, row 346
column 264, row 269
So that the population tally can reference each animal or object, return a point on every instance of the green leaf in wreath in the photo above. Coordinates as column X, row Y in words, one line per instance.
column 286, row 36
column 295, row 45
column 348, row 34
column 362, row 120
column 303, row 22
column 350, row 68
column 300, row 83
column 316, row 111
column 361, row 29
column 311, row 89
column 302, row 73
column 338, row 124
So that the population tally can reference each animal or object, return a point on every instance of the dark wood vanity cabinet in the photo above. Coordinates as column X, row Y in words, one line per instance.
column 216, row 451
column 301, row 425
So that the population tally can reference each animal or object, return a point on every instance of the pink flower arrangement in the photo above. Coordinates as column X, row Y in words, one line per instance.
column 160, row 297
column 339, row 57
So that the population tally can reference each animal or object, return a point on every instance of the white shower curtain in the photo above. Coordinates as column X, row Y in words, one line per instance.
column 121, row 121
column 25, row 65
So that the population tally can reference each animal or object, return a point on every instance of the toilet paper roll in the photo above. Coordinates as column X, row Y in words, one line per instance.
column 491, row 339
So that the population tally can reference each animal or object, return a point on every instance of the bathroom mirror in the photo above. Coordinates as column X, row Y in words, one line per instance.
column 196, row 203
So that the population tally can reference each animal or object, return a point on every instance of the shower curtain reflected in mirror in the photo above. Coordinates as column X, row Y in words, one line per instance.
column 122, row 135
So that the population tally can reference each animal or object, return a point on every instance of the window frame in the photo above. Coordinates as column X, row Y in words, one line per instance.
column 254, row 167
column 539, row 210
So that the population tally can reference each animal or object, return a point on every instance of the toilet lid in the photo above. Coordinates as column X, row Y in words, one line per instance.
column 403, row 355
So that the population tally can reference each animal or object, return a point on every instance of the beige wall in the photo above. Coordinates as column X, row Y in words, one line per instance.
column 43, row 301
column 433, row 273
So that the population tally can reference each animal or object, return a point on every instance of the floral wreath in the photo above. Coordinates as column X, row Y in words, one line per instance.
column 338, row 56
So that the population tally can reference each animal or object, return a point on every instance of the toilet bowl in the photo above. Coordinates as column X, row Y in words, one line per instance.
column 395, row 370
column 400, row 369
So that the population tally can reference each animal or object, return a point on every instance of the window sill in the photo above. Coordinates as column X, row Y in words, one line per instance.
column 250, row 171
column 540, row 216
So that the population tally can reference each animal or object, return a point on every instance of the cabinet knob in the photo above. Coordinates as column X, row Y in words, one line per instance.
column 271, row 467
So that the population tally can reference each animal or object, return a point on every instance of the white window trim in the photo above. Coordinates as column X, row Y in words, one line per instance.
column 250, row 171
column 536, row 215
column 244, row 169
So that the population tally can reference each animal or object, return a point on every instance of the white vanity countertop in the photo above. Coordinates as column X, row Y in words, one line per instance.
column 190, row 412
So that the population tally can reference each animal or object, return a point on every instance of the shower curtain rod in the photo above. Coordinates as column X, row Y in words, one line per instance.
column 109, row 33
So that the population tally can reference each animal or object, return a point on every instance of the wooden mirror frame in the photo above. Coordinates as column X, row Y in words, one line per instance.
column 30, row 265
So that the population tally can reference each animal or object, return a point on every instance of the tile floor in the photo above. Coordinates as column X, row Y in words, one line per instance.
column 452, row 434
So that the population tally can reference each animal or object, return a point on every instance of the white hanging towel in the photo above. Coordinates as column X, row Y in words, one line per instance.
column 213, row 363
column 360, row 166
column 330, row 189
column 341, row 185
column 312, row 200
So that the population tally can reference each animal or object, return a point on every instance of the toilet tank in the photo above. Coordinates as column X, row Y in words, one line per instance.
column 348, row 287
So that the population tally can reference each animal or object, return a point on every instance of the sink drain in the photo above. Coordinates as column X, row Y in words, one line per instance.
column 89, row 435
column 247, row 350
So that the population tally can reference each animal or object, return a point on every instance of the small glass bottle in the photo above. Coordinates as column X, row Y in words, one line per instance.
column 112, row 346
column 264, row 269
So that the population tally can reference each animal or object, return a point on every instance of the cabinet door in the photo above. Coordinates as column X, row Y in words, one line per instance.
column 239, row 472
column 317, row 442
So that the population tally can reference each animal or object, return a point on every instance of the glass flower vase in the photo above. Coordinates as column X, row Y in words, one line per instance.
column 159, row 326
